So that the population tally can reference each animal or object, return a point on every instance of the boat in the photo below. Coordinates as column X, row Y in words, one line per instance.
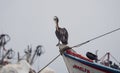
column 22, row 64
column 77, row 63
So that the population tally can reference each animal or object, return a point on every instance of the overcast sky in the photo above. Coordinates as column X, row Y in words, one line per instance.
column 31, row 22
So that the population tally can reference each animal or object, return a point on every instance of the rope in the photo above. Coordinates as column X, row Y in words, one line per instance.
column 49, row 63
column 102, row 58
column 95, row 38
column 115, row 59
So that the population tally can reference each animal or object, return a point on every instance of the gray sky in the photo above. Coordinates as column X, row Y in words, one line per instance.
column 31, row 22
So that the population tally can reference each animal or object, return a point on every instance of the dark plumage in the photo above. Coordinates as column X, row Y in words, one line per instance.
column 61, row 33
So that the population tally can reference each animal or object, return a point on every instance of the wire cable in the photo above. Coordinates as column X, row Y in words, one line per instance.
column 95, row 38
column 49, row 63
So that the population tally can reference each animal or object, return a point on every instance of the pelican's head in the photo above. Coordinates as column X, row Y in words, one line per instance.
column 56, row 19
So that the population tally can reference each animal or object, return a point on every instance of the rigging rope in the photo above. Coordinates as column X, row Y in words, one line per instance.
column 95, row 38
column 115, row 59
column 49, row 63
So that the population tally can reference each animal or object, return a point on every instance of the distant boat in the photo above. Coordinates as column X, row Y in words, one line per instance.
column 23, row 64
column 77, row 63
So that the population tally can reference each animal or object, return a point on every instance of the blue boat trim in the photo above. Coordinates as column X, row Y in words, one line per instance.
column 104, row 68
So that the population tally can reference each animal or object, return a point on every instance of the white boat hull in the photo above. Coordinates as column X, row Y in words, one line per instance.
column 78, row 65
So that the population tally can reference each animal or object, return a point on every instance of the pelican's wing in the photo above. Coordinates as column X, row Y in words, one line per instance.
column 58, row 35
column 64, row 36
column 65, row 33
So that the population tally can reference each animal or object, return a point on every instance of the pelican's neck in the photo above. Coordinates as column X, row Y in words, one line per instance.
column 57, row 26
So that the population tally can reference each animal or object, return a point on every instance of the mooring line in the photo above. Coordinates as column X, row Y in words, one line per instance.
column 49, row 63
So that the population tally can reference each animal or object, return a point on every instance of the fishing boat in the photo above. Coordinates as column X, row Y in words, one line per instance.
column 22, row 64
column 77, row 63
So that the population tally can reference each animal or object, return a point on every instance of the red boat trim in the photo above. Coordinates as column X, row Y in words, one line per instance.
column 78, row 55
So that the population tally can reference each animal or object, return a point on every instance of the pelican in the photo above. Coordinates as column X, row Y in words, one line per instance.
column 61, row 33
